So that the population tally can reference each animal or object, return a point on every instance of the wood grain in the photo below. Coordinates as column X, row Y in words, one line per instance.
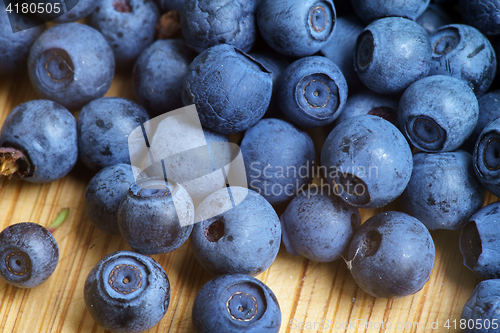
column 310, row 293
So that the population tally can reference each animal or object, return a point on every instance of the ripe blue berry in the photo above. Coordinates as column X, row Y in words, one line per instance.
column 244, row 239
column 231, row 90
column 28, row 254
column 127, row 292
column 38, row 142
column 104, row 127
column 479, row 242
column 312, row 91
column 380, row 61
column 149, row 218
column 463, row 52
column 318, row 225
column 72, row 64
column 367, row 161
column 391, row 255
column 296, row 29
column 236, row 303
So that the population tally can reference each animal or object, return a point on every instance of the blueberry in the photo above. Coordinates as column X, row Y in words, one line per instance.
column 15, row 46
column 481, row 311
column 104, row 126
column 244, row 239
column 381, row 61
column 206, row 23
column 72, row 64
column 38, row 142
column 391, row 255
column 486, row 157
column 438, row 113
column 28, row 254
column 340, row 48
column 318, row 225
column 236, row 303
column 482, row 14
column 369, row 102
column 189, row 155
column 127, row 25
column 231, row 90
column 371, row 10
column 158, row 75
column 443, row 191
column 367, row 161
column 148, row 219
column 296, row 29
column 82, row 9
column 104, row 194
column 279, row 159
column 312, row 91
column 127, row 292
column 479, row 243
column 461, row 51
column 433, row 18
column 489, row 110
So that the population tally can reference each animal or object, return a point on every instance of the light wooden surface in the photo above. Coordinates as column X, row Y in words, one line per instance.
column 308, row 292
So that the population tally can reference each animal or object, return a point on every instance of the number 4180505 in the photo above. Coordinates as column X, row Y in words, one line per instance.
column 34, row 8
column 472, row 324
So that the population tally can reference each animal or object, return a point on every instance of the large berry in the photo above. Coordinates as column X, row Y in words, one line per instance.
column 127, row 292
column 28, row 254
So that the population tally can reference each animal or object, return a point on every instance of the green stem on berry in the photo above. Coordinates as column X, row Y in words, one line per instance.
column 59, row 219
column 13, row 162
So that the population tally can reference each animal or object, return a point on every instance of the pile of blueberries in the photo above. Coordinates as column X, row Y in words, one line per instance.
column 404, row 87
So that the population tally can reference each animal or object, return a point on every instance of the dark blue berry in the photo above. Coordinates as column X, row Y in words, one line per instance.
column 486, row 157
column 380, row 61
column 318, row 225
column 312, row 91
column 461, row 51
column 127, row 25
column 158, row 75
column 231, row 90
column 482, row 14
column 279, row 159
column 243, row 239
column 391, row 255
column 104, row 126
column 72, row 64
column 438, row 113
column 151, row 221
column 236, row 303
column 367, row 161
column 127, row 292
column 28, row 254
column 206, row 23
column 480, row 313
column 38, row 142
column 443, row 191
column 479, row 242
column 296, row 29
column 489, row 110
column 104, row 194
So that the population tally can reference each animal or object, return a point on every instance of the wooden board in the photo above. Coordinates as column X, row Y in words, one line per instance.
column 314, row 297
